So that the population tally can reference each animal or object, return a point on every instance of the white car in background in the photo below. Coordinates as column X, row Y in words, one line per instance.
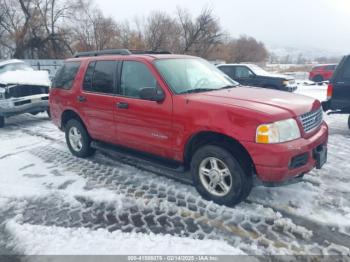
column 22, row 90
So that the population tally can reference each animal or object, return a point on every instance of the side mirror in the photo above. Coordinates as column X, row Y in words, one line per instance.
column 152, row 94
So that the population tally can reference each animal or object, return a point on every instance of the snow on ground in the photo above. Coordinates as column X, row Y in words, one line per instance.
column 54, row 203
column 41, row 240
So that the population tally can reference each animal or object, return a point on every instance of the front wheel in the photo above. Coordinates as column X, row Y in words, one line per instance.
column 219, row 176
column 78, row 139
column 2, row 121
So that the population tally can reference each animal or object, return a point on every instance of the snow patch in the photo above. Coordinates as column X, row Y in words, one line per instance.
column 34, row 240
column 24, row 77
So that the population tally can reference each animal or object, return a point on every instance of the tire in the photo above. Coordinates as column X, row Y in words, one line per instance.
column 318, row 79
column 349, row 122
column 81, row 147
column 48, row 113
column 2, row 121
column 240, row 182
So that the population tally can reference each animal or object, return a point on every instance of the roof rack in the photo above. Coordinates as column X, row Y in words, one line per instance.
column 150, row 52
column 104, row 52
column 119, row 52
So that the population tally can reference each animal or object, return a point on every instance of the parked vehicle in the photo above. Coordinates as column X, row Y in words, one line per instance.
column 22, row 90
column 253, row 75
column 338, row 93
column 322, row 73
column 182, row 110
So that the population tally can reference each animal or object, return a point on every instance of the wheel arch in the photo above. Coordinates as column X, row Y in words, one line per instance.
column 70, row 114
column 213, row 138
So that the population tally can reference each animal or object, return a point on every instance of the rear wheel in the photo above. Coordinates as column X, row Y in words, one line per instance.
column 78, row 139
column 318, row 79
column 2, row 121
column 219, row 176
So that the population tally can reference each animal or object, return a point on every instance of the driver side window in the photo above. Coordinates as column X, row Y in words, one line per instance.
column 243, row 72
column 135, row 76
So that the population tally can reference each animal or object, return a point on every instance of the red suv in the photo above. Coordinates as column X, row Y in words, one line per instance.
column 322, row 73
column 183, row 109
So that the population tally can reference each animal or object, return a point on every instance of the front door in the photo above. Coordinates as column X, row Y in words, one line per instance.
column 244, row 76
column 141, row 124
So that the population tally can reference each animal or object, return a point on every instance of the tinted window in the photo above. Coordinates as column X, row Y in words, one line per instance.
column 316, row 68
column 243, row 72
column 228, row 70
column 87, row 84
column 346, row 70
column 135, row 76
column 65, row 75
column 330, row 67
column 101, row 76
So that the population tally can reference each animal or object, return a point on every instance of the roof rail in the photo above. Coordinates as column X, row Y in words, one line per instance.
column 150, row 52
column 120, row 52
column 104, row 52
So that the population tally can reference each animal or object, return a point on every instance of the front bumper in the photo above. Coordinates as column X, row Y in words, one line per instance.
column 29, row 104
column 291, row 88
column 275, row 162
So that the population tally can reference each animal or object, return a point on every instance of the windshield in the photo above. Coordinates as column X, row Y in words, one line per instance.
column 192, row 75
column 15, row 67
column 259, row 71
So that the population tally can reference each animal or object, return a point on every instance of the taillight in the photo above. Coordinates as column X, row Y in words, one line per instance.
column 329, row 91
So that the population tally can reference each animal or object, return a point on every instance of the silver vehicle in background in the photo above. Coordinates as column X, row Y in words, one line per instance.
column 22, row 90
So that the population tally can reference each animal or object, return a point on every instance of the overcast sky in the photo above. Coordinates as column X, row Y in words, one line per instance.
column 305, row 24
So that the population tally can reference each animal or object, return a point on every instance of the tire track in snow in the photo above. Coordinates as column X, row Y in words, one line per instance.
column 247, row 224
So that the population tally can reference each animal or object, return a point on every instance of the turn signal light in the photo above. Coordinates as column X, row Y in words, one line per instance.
column 262, row 136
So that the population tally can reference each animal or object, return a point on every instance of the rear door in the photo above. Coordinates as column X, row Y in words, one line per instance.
column 97, row 99
column 141, row 124
column 341, row 86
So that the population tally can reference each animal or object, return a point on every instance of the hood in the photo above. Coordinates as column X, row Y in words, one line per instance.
column 24, row 77
column 275, row 105
column 273, row 75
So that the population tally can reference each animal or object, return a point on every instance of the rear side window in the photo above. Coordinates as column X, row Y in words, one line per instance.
column 346, row 70
column 330, row 67
column 99, row 77
column 65, row 76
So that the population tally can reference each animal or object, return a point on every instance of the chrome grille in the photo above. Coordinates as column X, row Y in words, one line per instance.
column 312, row 120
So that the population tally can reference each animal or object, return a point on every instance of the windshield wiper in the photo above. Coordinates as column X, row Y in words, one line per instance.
column 228, row 87
column 197, row 90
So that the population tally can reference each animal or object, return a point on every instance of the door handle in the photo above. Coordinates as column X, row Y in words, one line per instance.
column 81, row 99
column 122, row 105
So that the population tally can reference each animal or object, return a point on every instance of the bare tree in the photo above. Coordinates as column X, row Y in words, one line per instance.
column 93, row 31
column 58, row 28
column 35, row 28
column 199, row 36
column 162, row 32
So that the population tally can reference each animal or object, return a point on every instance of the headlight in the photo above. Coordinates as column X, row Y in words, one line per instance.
column 278, row 132
column 285, row 82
